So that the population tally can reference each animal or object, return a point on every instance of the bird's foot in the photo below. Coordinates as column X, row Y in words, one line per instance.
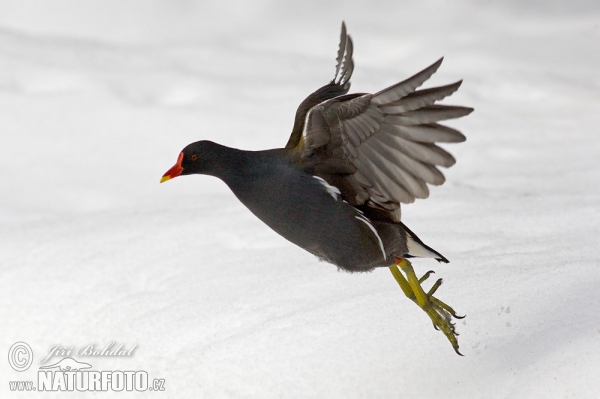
column 440, row 314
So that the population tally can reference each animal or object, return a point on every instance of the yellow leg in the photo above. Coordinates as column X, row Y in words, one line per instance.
column 408, row 291
column 439, row 313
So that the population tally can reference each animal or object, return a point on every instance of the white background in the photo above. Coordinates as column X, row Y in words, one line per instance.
column 97, row 98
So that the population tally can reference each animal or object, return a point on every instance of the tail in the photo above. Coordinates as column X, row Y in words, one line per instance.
column 417, row 248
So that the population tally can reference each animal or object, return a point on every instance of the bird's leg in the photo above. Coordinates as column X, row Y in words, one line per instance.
column 439, row 313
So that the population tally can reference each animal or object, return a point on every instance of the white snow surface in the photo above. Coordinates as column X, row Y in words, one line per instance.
column 97, row 99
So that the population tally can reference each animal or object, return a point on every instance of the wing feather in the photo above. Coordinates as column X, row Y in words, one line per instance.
column 399, row 90
column 348, row 64
column 420, row 99
column 427, row 133
column 421, row 170
column 429, row 114
column 425, row 152
column 339, row 85
column 354, row 132
column 367, row 123
column 389, row 137
column 364, row 130
column 375, row 114
column 401, row 185
column 341, row 50
column 389, row 162
column 381, row 193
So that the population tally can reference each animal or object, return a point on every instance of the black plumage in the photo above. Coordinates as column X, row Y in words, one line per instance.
column 335, row 189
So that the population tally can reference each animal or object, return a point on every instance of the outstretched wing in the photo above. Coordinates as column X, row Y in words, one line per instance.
column 339, row 85
column 384, row 143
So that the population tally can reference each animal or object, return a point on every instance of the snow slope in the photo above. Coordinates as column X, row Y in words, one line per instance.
column 97, row 98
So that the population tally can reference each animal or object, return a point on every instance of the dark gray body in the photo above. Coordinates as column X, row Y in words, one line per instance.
column 299, row 207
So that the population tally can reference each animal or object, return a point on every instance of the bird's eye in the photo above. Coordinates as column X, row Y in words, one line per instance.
column 194, row 157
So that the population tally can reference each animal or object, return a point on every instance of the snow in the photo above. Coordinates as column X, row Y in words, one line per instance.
column 97, row 98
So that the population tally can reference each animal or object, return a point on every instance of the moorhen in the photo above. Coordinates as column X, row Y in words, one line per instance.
column 335, row 189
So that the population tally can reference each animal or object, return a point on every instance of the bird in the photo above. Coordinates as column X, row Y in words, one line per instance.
column 336, row 187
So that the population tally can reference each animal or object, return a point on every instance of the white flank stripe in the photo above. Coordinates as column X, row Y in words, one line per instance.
column 368, row 223
column 332, row 190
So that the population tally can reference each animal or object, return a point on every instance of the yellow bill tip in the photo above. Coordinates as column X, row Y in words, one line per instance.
column 174, row 171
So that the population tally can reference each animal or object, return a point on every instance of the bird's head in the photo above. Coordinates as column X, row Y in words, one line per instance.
column 196, row 158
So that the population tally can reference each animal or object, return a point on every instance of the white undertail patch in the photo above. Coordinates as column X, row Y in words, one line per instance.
column 332, row 190
column 417, row 249
column 368, row 223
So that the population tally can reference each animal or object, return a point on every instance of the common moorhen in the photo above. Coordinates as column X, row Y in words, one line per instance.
column 335, row 189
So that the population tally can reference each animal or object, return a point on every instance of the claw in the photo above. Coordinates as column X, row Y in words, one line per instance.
column 426, row 276
column 434, row 287
column 440, row 314
column 446, row 307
